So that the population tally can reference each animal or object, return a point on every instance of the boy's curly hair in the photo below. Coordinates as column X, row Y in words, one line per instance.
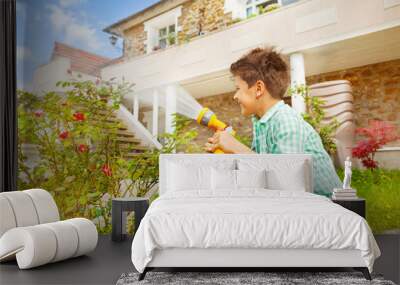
column 267, row 65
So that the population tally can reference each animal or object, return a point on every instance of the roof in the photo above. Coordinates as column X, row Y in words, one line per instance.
column 112, row 26
column 145, row 14
column 114, row 61
column 81, row 60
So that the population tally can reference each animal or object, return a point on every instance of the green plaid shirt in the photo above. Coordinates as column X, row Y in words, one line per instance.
column 283, row 130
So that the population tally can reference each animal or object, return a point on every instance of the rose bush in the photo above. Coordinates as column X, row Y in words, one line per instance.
column 79, row 160
column 77, row 148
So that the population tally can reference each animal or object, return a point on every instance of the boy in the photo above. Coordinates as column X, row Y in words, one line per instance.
column 261, row 79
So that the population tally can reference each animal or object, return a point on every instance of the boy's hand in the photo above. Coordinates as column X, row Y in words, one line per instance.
column 226, row 142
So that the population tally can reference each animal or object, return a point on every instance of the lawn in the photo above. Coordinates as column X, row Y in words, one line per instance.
column 381, row 190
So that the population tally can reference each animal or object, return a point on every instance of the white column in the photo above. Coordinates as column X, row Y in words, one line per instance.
column 155, row 114
column 136, row 107
column 170, row 108
column 298, row 77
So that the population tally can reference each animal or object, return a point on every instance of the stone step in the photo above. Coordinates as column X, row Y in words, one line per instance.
column 107, row 114
column 128, row 140
column 125, row 133
column 132, row 154
column 107, row 120
column 132, row 146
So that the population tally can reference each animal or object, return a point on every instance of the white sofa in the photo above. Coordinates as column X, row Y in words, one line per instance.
column 31, row 231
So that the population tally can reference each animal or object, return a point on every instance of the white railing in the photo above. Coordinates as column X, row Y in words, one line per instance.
column 136, row 127
column 153, row 110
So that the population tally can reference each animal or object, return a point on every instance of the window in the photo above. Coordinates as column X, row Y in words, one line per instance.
column 288, row 2
column 166, row 36
column 249, row 11
column 253, row 7
column 162, row 30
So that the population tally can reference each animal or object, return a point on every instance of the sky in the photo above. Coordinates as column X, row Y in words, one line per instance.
column 78, row 23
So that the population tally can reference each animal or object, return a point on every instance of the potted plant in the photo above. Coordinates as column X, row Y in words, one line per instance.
column 171, row 38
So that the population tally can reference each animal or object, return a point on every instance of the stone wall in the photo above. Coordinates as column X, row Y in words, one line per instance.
column 135, row 45
column 197, row 16
column 228, row 111
column 202, row 16
column 376, row 91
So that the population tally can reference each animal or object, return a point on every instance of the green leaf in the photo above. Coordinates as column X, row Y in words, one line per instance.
column 83, row 200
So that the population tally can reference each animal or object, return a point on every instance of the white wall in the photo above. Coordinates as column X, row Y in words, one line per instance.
column 46, row 76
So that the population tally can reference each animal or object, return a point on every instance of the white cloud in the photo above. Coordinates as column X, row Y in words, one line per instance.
column 23, row 53
column 73, row 30
column 69, row 3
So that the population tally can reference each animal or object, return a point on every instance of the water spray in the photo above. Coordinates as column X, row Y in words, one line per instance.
column 187, row 105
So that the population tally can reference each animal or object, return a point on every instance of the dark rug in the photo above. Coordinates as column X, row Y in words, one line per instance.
column 270, row 278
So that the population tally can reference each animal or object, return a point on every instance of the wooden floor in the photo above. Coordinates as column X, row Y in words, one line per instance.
column 103, row 266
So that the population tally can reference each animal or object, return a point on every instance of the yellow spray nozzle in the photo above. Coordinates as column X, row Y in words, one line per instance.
column 207, row 118
column 201, row 115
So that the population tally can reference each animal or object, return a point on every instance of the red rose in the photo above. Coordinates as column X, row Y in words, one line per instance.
column 106, row 170
column 82, row 148
column 78, row 116
column 63, row 135
column 39, row 113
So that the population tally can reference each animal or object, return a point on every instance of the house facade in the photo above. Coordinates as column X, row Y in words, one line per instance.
column 190, row 44
column 178, row 48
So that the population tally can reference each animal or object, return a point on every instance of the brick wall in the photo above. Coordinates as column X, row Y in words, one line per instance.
column 376, row 90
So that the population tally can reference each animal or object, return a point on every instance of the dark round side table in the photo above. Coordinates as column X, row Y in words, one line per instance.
column 121, row 205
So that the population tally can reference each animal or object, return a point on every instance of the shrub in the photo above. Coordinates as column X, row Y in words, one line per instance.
column 377, row 134
column 314, row 115
column 79, row 158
